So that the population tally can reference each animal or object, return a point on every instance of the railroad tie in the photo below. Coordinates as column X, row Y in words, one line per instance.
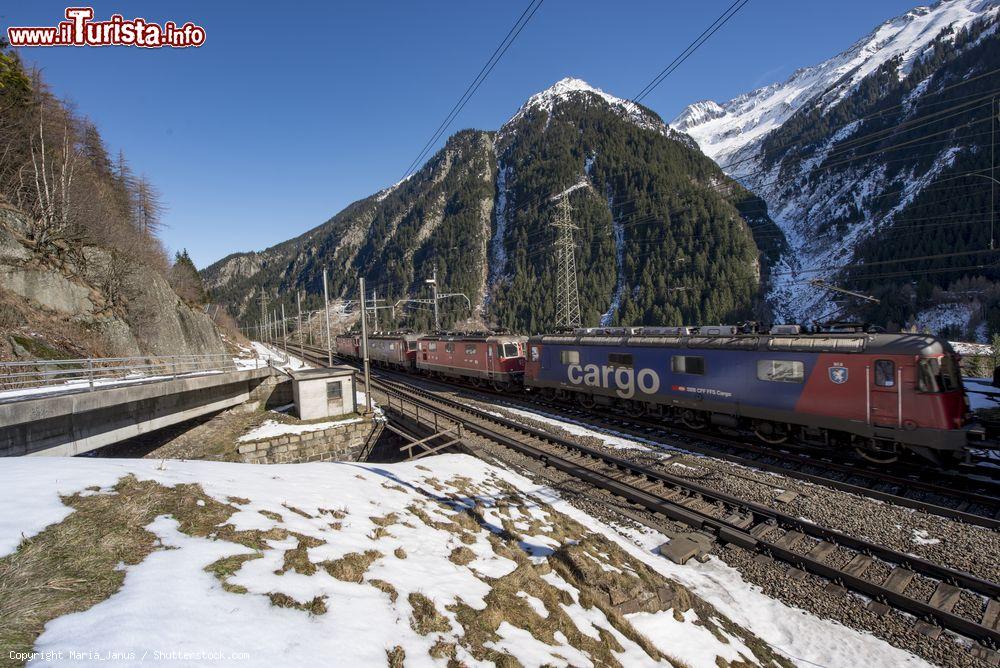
column 698, row 505
column 856, row 567
column 821, row 550
column 899, row 579
column 944, row 598
column 740, row 520
column 789, row 539
column 991, row 618
column 647, row 485
column 818, row 552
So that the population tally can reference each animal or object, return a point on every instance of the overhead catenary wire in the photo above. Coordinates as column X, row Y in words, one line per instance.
column 691, row 48
column 484, row 72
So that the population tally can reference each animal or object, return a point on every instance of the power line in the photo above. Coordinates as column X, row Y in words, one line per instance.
column 484, row 72
column 691, row 48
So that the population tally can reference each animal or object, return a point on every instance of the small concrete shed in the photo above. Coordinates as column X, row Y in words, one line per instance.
column 321, row 393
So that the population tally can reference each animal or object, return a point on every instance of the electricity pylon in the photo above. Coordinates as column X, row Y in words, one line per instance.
column 567, row 293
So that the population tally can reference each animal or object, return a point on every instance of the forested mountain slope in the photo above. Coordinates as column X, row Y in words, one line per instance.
column 663, row 236
column 879, row 154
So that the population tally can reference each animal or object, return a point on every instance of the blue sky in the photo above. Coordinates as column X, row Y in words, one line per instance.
column 290, row 111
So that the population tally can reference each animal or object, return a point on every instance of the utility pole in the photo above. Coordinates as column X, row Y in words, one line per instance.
column 284, row 329
column 994, row 115
column 263, row 315
column 298, row 328
column 326, row 307
column 274, row 327
column 364, row 346
column 567, row 293
column 434, row 288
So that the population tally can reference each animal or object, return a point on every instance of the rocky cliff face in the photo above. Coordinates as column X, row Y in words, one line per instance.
column 80, row 302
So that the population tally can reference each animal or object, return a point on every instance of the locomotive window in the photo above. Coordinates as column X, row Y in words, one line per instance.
column 620, row 359
column 885, row 373
column 449, row 347
column 688, row 364
column 432, row 345
column 411, row 345
column 938, row 374
column 392, row 346
column 510, row 350
column 470, row 349
column 781, row 371
column 534, row 353
column 569, row 356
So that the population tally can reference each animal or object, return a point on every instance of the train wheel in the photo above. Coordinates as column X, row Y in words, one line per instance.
column 586, row 400
column 693, row 419
column 635, row 409
column 873, row 451
column 770, row 432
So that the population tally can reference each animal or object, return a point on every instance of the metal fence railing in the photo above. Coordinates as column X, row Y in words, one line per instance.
column 40, row 375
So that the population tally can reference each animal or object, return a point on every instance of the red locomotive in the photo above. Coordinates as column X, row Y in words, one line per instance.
column 481, row 358
column 348, row 345
column 397, row 351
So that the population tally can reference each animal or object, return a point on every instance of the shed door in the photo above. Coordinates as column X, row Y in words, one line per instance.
column 885, row 393
column 334, row 397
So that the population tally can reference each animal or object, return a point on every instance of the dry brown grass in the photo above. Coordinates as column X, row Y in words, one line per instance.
column 336, row 513
column 443, row 649
column 297, row 559
column 72, row 565
column 462, row 556
column 385, row 520
column 395, row 657
column 317, row 606
column 228, row 566
column 425, row 618
column 297, row 511
column 386, row 587
column 351, row 567
column 400, row 553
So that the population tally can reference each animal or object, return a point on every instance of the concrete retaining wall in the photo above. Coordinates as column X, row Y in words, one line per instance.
column 336, row 444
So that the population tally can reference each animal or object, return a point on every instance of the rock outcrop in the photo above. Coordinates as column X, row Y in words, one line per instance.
column 122, row 308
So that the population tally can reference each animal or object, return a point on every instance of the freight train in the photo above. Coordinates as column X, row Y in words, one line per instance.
column 880, row 394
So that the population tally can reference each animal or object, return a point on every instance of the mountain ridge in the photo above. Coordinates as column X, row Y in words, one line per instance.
column 855, row 154
column 478, row 214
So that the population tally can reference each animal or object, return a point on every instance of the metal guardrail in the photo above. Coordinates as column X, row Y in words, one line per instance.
column 92, row 373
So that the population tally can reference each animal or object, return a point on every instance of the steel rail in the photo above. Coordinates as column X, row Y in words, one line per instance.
column 727, row 530
column 791, row 460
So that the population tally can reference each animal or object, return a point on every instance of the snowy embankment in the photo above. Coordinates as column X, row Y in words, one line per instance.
column 260, row 354
column 359, row 564
column 981, row 393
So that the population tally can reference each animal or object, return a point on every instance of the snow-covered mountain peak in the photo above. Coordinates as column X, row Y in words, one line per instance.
column 697, row 113
column 570, row 88
column 746, row 119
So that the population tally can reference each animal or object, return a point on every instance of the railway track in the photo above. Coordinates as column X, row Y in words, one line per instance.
column 968, row 496
column 958, row 602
